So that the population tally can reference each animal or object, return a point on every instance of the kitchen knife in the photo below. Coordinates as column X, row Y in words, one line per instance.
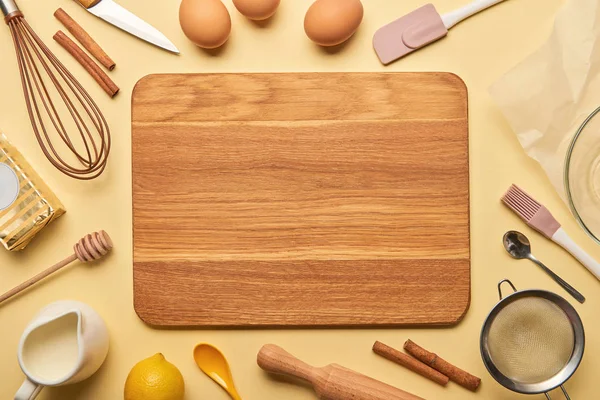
column 116, row 15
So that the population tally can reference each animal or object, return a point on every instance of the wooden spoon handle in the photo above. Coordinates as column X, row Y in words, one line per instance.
column 274, row 359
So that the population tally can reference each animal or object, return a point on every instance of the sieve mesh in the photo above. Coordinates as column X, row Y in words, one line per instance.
column 531, row 340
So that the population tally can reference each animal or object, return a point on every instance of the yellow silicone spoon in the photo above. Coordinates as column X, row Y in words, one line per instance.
column 214, row 364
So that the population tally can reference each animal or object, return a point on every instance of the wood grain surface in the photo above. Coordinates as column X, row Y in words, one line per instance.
column 309, row 199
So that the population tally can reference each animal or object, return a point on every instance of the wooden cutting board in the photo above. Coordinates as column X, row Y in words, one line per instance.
column 305, row 199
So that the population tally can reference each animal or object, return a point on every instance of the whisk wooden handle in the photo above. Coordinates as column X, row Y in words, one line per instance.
column 90, row 248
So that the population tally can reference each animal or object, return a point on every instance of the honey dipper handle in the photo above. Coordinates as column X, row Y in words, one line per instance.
column 18, row 289
column 275, row 360
column 91, row 247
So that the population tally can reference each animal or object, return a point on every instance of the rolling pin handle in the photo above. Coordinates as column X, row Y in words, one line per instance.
column 275, row 360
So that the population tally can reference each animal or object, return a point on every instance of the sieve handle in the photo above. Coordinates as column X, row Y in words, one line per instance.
column 564, row 392
column 500, row 287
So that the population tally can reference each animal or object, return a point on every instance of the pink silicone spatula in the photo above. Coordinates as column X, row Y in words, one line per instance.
column 420, row 28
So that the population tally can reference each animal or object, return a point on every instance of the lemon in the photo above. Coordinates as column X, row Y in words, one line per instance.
column 154, row 379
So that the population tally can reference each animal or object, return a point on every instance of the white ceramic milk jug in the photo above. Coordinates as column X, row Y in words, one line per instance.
column 65, row 343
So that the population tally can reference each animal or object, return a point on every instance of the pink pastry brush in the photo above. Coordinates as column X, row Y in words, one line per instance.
column 539, row 218
column 420, row 28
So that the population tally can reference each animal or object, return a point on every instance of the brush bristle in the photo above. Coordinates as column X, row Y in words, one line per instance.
column 521, row 203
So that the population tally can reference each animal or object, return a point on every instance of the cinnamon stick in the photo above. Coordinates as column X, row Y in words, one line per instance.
column 410, row 362
column 86, row 62
column 85, row 39
column 455, row 374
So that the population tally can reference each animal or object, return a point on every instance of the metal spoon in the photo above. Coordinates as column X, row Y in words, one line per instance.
column 518, row 247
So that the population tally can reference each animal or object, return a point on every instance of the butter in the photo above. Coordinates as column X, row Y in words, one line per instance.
column 27, row 205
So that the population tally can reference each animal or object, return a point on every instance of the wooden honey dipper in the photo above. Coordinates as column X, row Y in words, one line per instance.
column 92, row 247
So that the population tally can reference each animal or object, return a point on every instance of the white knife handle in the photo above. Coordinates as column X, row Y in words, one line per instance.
column 454, row 17
column 561, row 238
column 87, row 4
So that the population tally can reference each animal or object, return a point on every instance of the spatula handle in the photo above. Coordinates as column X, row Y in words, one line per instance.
column 274, row 359
column 454, row 17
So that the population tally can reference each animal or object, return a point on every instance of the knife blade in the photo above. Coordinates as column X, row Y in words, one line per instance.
column 118, row 16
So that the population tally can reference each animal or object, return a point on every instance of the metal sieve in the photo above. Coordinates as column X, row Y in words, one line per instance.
column 532, row 341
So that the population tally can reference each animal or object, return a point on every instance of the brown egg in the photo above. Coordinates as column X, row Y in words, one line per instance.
column 331, row 22
column 257, row 9
column 207, row 23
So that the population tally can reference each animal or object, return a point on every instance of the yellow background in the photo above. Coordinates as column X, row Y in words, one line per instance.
column 479, row 50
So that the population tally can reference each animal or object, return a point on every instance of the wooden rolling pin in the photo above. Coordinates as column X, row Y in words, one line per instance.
column 332, row 382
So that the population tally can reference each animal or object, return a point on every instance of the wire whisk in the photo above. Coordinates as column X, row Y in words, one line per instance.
column 45, row 79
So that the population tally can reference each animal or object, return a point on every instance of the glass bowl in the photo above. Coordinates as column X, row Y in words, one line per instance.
column 582, row 175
